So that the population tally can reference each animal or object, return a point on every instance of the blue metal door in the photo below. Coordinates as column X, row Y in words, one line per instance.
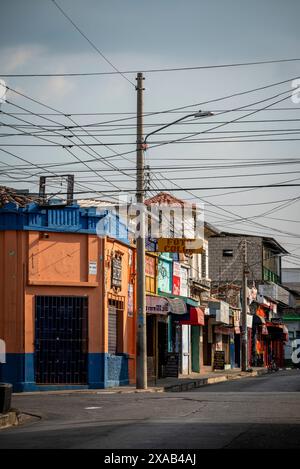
column 61, row 339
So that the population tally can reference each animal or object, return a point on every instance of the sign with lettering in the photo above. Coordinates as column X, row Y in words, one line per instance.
column 219, row 360
column 130, row 300
column 172, row 365
column 150, row 266
column 180, row 245
column 92, row 268
column 116, row 272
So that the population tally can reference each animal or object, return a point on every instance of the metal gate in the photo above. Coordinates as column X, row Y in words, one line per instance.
column 61, row 339
column 115, row 325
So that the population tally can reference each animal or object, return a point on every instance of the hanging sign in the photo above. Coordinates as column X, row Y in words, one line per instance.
column 116, row 272
column 180, row 245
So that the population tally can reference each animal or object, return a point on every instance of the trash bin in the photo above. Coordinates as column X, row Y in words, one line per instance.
column 5, row 397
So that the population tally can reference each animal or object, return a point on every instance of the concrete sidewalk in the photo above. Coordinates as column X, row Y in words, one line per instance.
column 182, row 383
column 195, row 380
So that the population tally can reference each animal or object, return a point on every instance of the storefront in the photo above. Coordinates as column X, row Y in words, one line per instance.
column 163, row 335
column 237, row 336
column 276, row 339
column 260, row 333
column 195, row 322
column 218, row 334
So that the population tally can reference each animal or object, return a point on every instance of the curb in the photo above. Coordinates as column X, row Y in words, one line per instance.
column 178, row 387
column 197, row 383
column 15, row 418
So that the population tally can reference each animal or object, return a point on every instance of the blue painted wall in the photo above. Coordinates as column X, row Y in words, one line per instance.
column 104, row 370
column 70, row 219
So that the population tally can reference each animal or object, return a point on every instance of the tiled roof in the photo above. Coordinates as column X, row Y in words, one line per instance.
column 165, row 198
column 8, row 194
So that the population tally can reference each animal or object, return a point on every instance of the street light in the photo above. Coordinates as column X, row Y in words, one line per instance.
column 194, row 114
column 141, row 346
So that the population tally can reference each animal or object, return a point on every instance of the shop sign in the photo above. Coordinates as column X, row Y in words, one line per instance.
column 130, row 300
column 223, row 330
column 222, row 313
column 180, row 245
column 236, row 318
column 219, row 360
column 249, row 321
column 183, row 281
column 92, row 268
column 218, row 342
column 116, row 272
column 252, row 294
column 176, row 269
column 176, row 285
column 164, row 276
column 157, row 305
column 205, row 296
column 150, row 266
column 176, row 278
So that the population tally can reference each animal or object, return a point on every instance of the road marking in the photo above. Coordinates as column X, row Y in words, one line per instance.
column 92, row 408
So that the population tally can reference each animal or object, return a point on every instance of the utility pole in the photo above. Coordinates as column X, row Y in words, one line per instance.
column 141, row 344
column 244, row 344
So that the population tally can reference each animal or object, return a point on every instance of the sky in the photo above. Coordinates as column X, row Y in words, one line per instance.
column 36, row 38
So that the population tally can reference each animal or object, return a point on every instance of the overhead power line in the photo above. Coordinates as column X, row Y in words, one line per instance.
column 203, row 188
column 149, row 70
column 222, row 98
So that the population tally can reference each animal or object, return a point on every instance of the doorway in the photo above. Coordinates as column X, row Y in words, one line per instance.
column 61, row 339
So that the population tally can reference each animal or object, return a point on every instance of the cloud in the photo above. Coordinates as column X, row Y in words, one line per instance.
column 16, row 57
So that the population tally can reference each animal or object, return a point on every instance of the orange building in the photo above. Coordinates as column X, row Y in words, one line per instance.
column 67, row 299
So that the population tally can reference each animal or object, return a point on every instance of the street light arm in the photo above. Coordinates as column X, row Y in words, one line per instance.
column 167, row 125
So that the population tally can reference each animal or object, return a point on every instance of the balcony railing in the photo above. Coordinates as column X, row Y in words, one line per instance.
column 270, row 276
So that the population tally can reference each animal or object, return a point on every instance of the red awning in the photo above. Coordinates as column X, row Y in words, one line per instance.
column 197, row 317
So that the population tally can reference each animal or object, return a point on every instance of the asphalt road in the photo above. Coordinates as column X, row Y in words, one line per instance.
column 261, row 412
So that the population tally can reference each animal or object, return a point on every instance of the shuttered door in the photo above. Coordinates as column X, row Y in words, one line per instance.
column 61, row 339
column 112, row 329
column 115, row 324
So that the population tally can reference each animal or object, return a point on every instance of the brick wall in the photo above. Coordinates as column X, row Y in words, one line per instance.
column 229, row 269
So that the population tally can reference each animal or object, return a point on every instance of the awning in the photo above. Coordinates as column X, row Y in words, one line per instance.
column 177, row 305
column 163, row 305
column 157, row 305
column 275, row 325
column 197, row 317
column 223, row 330
column 276, row 330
